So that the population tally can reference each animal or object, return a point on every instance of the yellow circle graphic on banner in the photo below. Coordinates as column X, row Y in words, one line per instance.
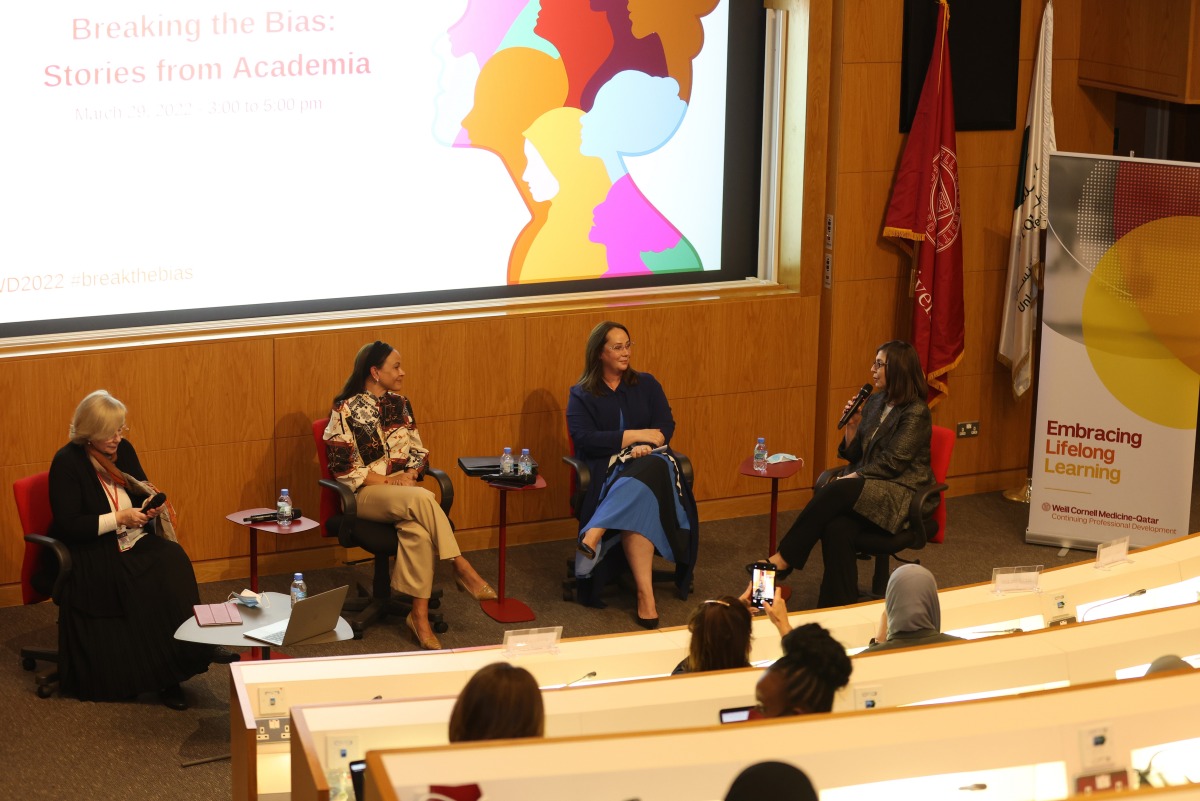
column 1141, row 320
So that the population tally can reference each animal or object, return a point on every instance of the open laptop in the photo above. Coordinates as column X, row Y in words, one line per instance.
column 310, row 617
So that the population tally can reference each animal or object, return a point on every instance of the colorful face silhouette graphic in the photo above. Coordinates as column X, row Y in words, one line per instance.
column 573, row 184
column 582, row 37
column 462, row 52
column 678, row 27
column 634, row 114
column 621, row 61
column 628, row 52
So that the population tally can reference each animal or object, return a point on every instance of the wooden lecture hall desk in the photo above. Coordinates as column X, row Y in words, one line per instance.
column 1057, row 657
column 1031, row 746
column 653, row 653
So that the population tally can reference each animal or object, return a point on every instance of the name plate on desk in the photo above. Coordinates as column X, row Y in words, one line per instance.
column 518, row 642
column 1112, row 553
column 1016, row 579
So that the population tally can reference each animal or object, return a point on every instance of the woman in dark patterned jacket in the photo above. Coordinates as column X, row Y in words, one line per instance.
column 887, row 446
column 374, row 449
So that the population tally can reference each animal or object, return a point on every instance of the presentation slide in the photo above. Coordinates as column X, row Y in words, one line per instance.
column 213, row 155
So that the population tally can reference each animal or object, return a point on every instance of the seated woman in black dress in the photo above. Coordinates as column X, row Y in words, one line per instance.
column 619, row 421
column 887, row 446
column 130, row 587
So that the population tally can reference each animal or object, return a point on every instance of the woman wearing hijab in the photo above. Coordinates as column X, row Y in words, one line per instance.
column 913, row 615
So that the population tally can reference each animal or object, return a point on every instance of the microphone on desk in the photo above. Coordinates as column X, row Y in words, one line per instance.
column 266, row 517
column 584, row 677
column 859, row 399
column 1134, row 594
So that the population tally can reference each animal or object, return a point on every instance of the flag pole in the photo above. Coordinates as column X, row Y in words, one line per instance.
column 1022, row 493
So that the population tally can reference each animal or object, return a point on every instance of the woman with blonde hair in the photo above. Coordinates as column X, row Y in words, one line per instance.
column 131, row 585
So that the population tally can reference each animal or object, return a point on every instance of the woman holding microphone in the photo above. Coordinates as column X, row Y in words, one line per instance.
column 887, row 446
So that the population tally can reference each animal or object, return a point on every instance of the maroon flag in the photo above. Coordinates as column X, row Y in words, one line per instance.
column 925, row 208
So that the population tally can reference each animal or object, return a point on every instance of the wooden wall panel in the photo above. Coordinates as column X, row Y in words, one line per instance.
column 986, row 194
column 208, row 482
column 871, row 33
column 865, row 314
column 859, row 249
column 869, row 138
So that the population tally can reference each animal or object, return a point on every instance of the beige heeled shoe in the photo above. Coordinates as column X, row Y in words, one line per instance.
column 429, row 643
column 485, row 594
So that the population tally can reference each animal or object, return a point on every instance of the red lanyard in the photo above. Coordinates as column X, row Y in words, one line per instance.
column 113, row 496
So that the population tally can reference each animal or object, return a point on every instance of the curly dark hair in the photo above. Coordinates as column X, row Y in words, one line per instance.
column 814, row 666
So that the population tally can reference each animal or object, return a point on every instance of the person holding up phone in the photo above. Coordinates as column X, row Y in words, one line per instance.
column 131, row 584
column 887, row 446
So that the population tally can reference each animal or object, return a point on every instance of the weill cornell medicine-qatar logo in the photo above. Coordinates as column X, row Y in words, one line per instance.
column 944, row 218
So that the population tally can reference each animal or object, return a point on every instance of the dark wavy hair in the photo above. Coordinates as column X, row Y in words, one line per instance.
column 499, row 702
column 592, row 377
column 373, row 354
column 814, row 666
column 905, row 378
column 720, row 635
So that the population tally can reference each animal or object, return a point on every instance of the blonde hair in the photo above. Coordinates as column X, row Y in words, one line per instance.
column 98, row 416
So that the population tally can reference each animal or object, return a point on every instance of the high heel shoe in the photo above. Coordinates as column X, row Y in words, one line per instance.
column 646, row 622
column 429, row 643
column 486, row 593
column 585, row 566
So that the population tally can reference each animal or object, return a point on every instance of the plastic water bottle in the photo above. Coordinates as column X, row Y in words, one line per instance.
column 525, row 464
column 283, row 509
column 760, row 455
column 506, row 462
column 299, row 589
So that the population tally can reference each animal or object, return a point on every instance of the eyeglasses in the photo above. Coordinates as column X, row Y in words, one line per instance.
column 879, row 365
column 122, row 432
column 626, row 347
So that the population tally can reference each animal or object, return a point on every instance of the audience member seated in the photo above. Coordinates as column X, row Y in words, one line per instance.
column 375, row 450
column 771, row 781
column 887, row 446
column 814, row 666
column 912, row 613
column 500, row 702
column 131, row 584
column 619, row 420
column 720, row 637
column 1167, row 663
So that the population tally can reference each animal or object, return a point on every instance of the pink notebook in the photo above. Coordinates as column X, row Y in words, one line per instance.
column 217, row 614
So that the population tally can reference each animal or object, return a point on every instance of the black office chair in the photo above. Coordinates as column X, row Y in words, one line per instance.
column 338, row 516
column 45, row 569
column 581, row 480
column 919, row 530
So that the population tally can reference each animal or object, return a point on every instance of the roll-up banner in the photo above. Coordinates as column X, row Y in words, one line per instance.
column 1119, row 369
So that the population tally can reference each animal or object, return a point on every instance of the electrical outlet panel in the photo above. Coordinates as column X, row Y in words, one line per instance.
column 868, row 696
column 969, row 429
column 272, row 703
column 272, row 730
column 341, row 749
column 1096, row 747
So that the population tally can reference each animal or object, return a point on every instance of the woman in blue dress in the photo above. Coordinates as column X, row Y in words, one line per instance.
column 621, row 425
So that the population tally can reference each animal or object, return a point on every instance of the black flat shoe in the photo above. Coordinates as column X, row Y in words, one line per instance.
column 586, row 550
column 646, row 622
column 173, row 698
column 222, row 656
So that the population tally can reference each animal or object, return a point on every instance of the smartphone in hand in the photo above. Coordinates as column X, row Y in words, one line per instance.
column 154, row 501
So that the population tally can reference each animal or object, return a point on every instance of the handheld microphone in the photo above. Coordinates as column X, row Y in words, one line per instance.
column 267, row 517
column 585, row 676
column 862, row 395
column 1134, row 594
